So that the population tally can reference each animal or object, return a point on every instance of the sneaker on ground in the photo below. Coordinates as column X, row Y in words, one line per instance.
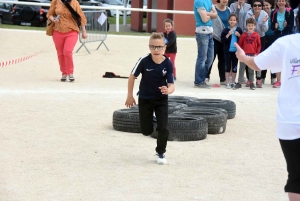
column 228, row 86
column 233, row 85
column 63, row 78
column 71, row 78
column 223, row 83
column 262, row 81
column 237, row 86
column 161, row 159
column 248, row 83
column 277, row 84
column 252, row 87
column 273, row 81
column 258, row 84
column 206, row 80
column 202, row 85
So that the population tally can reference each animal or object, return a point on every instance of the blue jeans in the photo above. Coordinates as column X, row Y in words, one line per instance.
column 205, row 56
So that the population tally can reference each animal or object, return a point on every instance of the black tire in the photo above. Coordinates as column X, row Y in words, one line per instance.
column 126, row 115
column 227, row 105
column 28, row 13
column 181, row 99
column 216, row 119
column 185, row 128
column 202, row 108
column 172, row 107
column 127, row 126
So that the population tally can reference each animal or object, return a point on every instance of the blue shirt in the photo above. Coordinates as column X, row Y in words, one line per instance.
column 223, row 15
column 269, row 32
column 153, row 76
column 232, row 48
column 206, row 4
column 280, row 20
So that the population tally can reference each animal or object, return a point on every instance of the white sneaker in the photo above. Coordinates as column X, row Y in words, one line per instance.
column 161, row 159
column 228, row 86
column 206, row 80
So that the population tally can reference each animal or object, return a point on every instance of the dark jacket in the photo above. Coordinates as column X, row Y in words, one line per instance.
column 289, row 18
column 226, row 41
column 172, row 44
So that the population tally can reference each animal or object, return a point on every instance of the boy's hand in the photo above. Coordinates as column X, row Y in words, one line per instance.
column 130, row 102
column 164, row 90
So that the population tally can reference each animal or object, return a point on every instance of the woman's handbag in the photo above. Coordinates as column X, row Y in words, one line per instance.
column 50, row 27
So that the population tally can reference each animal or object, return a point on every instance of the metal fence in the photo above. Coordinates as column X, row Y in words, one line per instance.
column 96, row 27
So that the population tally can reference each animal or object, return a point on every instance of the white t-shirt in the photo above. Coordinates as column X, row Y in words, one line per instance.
column 284, row 56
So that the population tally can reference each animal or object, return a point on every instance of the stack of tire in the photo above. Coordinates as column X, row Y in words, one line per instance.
column 189, row 119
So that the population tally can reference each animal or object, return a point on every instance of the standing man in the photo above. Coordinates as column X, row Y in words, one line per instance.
column 204, row 11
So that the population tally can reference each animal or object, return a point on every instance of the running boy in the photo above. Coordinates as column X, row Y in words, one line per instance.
column 250, row 43
column 156, row 83
column 170, row 38
column 229, row 36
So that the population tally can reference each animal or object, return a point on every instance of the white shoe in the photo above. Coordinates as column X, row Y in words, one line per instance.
column 228, row 86
column 161, row 159
column 206, row 80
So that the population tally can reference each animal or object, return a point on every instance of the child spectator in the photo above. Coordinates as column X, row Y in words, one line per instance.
column 156, row 83
column 170, row 39
column 229, row 36
column 250, row 43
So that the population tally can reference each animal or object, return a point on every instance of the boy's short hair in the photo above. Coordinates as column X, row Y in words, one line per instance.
column 168, row 21
column 251, row 21
column 157, row 35
column 233, row 14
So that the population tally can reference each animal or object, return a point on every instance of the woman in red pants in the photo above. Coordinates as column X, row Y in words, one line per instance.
column 67, row 16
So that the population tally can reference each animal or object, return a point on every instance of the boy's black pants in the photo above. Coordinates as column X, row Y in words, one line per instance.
column 160, row 106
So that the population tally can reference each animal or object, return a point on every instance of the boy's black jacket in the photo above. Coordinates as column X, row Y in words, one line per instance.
column 172, row 44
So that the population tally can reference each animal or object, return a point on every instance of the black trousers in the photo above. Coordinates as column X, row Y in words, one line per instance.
column 160, row 106
column 291, row 152
column 218, row 50
column 231, row 62
column 269, row 41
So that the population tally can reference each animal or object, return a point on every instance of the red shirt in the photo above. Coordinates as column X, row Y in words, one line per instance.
column 250, row 43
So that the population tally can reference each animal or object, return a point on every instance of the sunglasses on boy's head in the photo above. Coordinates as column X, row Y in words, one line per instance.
column 256, row 5
column 153, row 47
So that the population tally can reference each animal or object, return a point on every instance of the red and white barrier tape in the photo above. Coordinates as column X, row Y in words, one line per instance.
column 15, row 61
